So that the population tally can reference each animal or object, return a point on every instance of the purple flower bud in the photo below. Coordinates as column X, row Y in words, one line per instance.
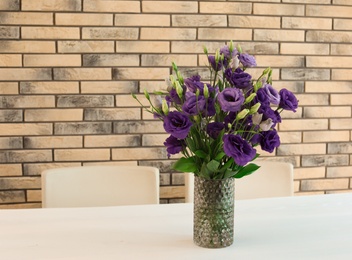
column 272, row 94
column 288, row 100
column 238, row 78
column 194, row 105
column 214, row 65
column 247, row 60
column 231, row 99
column 269, row 140
column 174, row 145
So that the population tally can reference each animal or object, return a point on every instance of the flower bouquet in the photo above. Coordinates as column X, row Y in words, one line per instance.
column 216, row 124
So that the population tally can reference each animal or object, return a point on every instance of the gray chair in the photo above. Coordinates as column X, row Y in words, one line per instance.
column 272, row 179
column 93, row 186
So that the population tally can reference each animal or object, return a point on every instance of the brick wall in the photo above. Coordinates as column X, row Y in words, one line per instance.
column 67, row 68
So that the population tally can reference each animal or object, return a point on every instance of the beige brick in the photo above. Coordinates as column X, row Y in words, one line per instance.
column 306, row 23
column 304, row 48
column 254, row 21
column 10, row 169
column 309, row 173
column 152, row 86
column 110, row 60
column 17, row 156
column 341, row 123
column 110, row 33
column 27, row 46
column 55, row 115
column 142, row 20
column 290, row 137
column 9, row 129
column 339, row 148
column 343, row 24
column 140, row 73
column 48, row 87
column 51, row 5
column 342, row 74
column 341, row 49
column 53, row 142
column 16, row 183
column 328, row 62
column 325, row 136
column 309, row 193
column 22, row 18
column 83, row 128
column 8, row 88
column 169, row 7
column 27, row 101
column 231, row 8
column 138, row 127
column 10, row 5
column 224, row 34
column 85, row 101
column 34, row 195
column 138, row 153
column 48, row 60
column 154, row 60
column 199, row 20
column 50, row 33
column 142, row 47
column 21, row 206
column 308, row 1
column 168, row 34
column 313, row 99
column 342, row 2
column 342, row 99
column 321, row 160
column 154, row 139
column 25, row 74
column 37, row 168
column 328, row 184
column 278, row 35
column 329, row 36
column 82, row 74
column 12, row 196
column 83, row 19
column 292, row 149
column 11, row 115
column 85, row 46
column 129, row 101
column 338, row 172
column 11, row 143
column 328, row 86
column 81, row 154
column 294, row 86
column 303, row 124
column 113, row 87
column 102, row 114
column 195, row 46
column 278, row 9
column 10, row 60
column 324, row 112
column 280, row 61
column 111, row 6
column 111, row 140
column 328, row 11
column 9, row 32
column 167, row 192
column 305, row 74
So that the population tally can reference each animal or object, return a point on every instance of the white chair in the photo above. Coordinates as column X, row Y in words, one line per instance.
column 93, row 186
column 272, row 179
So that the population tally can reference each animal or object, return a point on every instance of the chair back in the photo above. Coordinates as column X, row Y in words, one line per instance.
column 272, row 179
column 93, row 186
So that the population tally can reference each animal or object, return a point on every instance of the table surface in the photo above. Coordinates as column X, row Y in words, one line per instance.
column 308, row 227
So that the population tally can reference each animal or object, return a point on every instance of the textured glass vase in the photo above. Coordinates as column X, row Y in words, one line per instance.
column 213, row 225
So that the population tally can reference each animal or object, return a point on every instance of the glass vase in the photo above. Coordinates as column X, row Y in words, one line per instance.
column 213, row 224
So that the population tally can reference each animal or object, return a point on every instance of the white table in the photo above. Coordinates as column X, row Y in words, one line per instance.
column 312, row 227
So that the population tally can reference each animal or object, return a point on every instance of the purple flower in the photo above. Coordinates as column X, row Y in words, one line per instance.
column 173, row 145
column 269, row 140
column 247, row 60
column 237, row 148
column 262, row 98
column 177, row 124
column 288, row 100
column 231, row 99
column 227, row 54
column 272, row 94
column 194, row 105
column 214, row 65
column 193, row 84
column 173, row 97
column 214, row 129
column 269, row 113
column 238, row 78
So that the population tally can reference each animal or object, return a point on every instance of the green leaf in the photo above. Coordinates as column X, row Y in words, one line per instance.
column 247, row 170
column 201, row 154
column 229, row 173
column 219, row 156
column 227, row 165
column 185, row 165
column 213, row 166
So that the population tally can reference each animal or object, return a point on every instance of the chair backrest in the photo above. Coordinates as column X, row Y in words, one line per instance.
column 272, row 179
column 93, row 186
